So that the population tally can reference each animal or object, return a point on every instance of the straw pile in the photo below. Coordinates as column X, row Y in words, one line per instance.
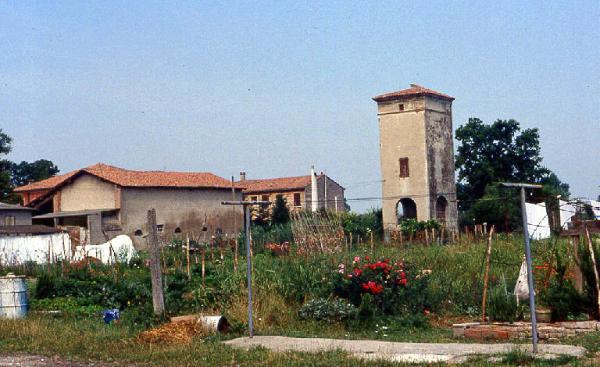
column 173, row 333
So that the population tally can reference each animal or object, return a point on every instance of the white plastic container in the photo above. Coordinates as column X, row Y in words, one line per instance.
column 13, row 297
column 214, row 323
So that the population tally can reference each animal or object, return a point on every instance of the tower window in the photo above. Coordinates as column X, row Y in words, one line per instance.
column 401, row 106
column 404, row 172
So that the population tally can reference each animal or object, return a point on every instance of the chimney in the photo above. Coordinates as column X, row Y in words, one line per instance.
column 242, row 176
column 314, row 195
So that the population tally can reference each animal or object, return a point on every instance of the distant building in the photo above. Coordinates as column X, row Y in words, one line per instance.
column 297, row 191
column 99, row 202
column 15, row 215
column 417, row 156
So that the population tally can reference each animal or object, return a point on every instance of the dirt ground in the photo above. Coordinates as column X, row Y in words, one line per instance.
column 26, row 360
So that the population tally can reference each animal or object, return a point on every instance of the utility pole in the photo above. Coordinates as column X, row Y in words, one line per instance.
column 245, row 205
column 523, row 186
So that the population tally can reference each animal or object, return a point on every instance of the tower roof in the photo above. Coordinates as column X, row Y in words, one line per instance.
column 414, row 90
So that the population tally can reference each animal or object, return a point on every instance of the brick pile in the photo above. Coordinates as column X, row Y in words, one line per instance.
column 522, row 330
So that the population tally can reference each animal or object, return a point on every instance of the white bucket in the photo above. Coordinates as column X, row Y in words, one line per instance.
column 13, row 297
column 214, row 323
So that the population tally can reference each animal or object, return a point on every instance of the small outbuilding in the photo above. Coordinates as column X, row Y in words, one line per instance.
column 15, row 215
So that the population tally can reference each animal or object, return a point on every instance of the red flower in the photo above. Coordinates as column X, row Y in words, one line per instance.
column 372, row 287
column 357, row 272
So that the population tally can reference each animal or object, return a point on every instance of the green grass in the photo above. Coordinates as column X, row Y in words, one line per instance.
column 86, row 339
column 281, row 286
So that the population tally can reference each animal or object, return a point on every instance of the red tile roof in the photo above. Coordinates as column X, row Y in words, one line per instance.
column 274, row 184
column 46, row 184
column 414, row 90
column 129, row 178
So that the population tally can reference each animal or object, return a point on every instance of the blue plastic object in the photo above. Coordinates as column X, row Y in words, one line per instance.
column 110, row 315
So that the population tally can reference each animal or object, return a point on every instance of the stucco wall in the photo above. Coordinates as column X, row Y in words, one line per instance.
column 326, row 201
column 87, row 192
column 422, row 132
column 272, row 196
column 402, row 134
column 186, row 209
column 440, row 154
column 22, row 217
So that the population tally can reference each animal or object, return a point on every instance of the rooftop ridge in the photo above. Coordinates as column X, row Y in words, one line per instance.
column 414, row 90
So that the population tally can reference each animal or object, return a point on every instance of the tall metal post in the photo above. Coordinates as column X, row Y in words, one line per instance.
column 534, row 334
column 245, row 205
column 248, row 268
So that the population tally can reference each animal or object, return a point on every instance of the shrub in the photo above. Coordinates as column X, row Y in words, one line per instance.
column 387, row 284
column 67, row 305
column 502, row 305
column 362, row 224
column 322, row 309
column 563, row 300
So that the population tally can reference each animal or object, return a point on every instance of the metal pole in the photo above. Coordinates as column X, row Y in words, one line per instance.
column 248, row 268
column 534, row 335
column 245, row 205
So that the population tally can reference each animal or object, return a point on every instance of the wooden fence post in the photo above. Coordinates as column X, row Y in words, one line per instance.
column 594, row 267
column 486, row 276
column 158, row 300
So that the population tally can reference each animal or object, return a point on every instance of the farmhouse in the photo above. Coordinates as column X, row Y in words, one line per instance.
column 297, row 191
column 99, row 202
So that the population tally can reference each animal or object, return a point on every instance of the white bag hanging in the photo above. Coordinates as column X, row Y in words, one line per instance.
column 522, row 288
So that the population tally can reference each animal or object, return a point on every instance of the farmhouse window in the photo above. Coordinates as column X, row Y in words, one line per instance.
column 253, row 198
column 404, row 172
column 9, row 220
column 264, row 198
column 297, row 199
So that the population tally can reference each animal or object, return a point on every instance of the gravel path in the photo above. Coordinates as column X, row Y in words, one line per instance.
column 399, row 352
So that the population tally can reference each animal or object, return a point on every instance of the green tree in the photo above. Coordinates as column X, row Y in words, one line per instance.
column 13, row 175
column 5, row 167
column 281, row 213
column 492, row 153
column 25, row 172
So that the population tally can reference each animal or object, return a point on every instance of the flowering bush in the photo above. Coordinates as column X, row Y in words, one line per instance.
column 386, row 282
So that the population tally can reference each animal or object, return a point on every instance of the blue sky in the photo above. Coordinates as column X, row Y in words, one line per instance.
column 274, row 87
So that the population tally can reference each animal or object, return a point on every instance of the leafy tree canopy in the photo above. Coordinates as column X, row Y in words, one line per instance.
column 25, row 172
column 13, row 174
column 492, row 153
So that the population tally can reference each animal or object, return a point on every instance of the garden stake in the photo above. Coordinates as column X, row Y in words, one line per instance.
column 372, row 248
column 187, row 251
column 203, row 266
column 594, row 266
column 487, row 272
